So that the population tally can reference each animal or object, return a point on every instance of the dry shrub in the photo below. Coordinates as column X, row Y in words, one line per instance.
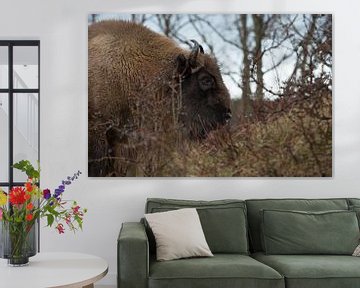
column 293, row 138
column 148, row 145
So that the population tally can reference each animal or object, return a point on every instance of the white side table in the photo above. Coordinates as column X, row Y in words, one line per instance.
column 50, row 270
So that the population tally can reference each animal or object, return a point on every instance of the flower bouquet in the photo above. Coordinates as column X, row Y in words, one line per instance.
column 23, row 206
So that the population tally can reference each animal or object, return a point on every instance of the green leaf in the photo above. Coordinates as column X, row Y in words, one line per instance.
column 28, row 168
column 52, row 211
column 50, row 219
column 79, row 221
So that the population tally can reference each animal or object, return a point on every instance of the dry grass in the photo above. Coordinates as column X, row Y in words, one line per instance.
column 290, row 137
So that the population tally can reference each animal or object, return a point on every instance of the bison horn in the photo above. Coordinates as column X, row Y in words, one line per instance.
column 194, row 53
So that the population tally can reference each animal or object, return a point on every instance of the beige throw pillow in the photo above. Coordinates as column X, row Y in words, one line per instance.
column 178, row 234
column 357, row 251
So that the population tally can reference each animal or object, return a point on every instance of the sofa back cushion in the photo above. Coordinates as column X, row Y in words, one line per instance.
column 353, row 201
column 354, row 205
column 298, row 232
column 223, row 222
column 255, row 206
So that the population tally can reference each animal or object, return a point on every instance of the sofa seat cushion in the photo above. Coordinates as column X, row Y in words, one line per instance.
column 222, row 270
column 313, row 271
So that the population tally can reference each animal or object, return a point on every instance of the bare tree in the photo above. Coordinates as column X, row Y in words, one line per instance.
column 262, row 44
column 94, row 18
column 259, row 34
column 166, row 23
column 140, row 18
column 241, row 24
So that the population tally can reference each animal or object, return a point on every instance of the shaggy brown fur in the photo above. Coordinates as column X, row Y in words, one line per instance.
column 134, row 72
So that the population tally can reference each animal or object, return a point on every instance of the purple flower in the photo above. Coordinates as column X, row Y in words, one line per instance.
column 46, row 194
column 58, row 192
column 68, row 181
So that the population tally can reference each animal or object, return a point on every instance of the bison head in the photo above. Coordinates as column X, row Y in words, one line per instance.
column 205, row 98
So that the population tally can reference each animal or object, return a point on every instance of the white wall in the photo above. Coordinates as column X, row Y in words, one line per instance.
column 62, row 28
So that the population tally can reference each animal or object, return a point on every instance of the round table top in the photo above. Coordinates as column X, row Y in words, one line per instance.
column 68, row 270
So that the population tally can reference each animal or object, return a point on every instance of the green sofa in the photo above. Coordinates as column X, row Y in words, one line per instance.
column 237, row 233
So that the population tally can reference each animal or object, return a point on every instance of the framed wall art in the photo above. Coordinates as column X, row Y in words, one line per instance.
column 206, row 95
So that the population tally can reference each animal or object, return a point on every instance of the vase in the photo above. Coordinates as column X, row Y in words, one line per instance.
column 18, row 242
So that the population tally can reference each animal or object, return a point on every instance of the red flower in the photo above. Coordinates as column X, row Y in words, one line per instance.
column 29, row 186
column 29, row 217
column 75, row 209
column 29, row 206
column 60, row 228
column 17, row 196
column 68, row 219
column 27, row 196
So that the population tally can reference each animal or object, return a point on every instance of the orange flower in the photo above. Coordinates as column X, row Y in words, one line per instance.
column 29, row 217
column 29, row 206
column 28, row 186
column 27, row 196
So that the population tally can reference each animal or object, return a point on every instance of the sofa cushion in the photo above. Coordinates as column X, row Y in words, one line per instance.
column 313, row 271
column 223, row 221
column 356, row 209
column 222, row 270
column 254, row 217
column 353, row 201
column 297, row 232
column 178, row 234
column 354, row 205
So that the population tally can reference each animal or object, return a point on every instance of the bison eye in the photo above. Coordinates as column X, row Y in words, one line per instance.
column 206, row 82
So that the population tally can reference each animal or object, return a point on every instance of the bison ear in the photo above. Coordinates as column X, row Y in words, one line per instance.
column 183, row 67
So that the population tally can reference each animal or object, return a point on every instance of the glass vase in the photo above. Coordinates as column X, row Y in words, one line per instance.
column 18, row 242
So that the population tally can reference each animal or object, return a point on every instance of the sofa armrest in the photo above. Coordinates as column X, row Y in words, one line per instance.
column 133, row 256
